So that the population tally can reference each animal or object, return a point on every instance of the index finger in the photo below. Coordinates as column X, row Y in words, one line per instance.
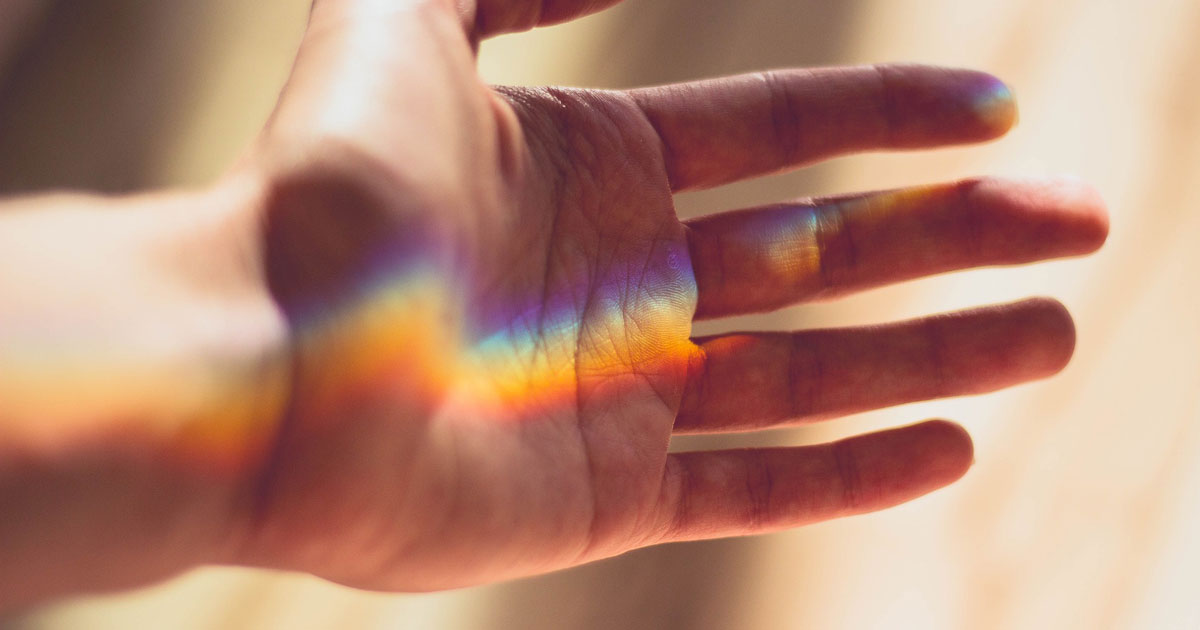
column 722, row 130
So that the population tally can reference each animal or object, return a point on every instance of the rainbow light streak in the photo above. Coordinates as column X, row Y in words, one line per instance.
column 788, row 240
column 799, row 249
column 401, row 333
column 633, row 321
column 778, row 247
column 213, row 415
column 637, row 321
column 405, row 331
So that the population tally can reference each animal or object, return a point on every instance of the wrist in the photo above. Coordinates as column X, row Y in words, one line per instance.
column 358, row 263
column 142, row 372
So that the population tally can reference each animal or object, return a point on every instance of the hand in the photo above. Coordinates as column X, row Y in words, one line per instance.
column 490, row 299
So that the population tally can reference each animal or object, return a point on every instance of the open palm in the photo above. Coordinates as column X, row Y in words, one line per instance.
column 491, row 298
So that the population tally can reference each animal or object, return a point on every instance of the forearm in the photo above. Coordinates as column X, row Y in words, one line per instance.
column 142, row 370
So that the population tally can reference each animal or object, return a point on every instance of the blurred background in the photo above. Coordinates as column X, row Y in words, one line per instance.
column 1082, row 507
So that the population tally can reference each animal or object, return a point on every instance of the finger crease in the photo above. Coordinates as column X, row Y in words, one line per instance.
column 670, row 164
column 837, row 254
column 889, row 111
column 760, row 484
column 677, row 525
column 846, row 464
column 970, row 219
column 810, row 372
column 785, row 118
column 936, row 357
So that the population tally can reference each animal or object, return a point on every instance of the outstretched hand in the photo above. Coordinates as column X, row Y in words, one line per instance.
column 489, row 300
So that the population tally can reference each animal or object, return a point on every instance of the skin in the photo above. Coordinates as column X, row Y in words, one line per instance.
column 429, row 333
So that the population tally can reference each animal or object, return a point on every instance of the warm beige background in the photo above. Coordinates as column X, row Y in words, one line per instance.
column 1081, row 509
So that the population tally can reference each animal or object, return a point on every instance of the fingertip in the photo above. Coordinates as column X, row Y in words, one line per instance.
column 1080, row 209
column 952, row 449
column 938, row 105
column 1089, row 210
column 917, row 459
column 993, row 103
column 1050, row 335
column 1035, row 218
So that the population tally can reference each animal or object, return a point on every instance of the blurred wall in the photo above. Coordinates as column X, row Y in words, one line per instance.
column 1079, row 511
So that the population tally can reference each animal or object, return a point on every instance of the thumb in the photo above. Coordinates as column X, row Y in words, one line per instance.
column 378, row 49
column 364, row 67
column 492, row 17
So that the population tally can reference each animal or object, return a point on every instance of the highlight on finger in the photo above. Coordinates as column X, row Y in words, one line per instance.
column 752, row 381
column 722, row 130
column 737, row 492
column 767, row 258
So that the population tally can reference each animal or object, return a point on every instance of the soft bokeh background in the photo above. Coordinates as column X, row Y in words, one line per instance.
column 1081, row 509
